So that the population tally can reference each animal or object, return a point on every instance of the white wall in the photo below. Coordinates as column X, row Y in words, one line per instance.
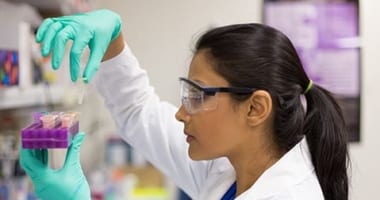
column 365, row 158
column 161, row 34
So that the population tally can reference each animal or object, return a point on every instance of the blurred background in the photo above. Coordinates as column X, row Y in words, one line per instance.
column 338, row 42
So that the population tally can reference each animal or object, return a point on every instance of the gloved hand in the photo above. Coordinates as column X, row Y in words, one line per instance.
column 67, row 183
column 94, row 29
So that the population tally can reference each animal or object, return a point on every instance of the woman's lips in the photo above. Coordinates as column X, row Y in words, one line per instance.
column 189, row 138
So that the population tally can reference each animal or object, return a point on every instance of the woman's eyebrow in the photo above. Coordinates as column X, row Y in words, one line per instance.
column 197, row 81
column 200, row 82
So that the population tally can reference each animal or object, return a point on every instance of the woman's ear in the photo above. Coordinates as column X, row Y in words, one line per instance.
column 259, row 107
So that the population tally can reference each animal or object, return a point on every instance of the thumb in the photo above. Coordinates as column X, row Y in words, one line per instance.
column 30, row 163
column 73, row 153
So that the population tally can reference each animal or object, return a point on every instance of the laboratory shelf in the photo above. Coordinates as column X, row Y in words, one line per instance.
column 17, row 97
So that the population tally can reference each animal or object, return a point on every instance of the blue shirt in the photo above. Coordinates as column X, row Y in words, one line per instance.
column 231, row 192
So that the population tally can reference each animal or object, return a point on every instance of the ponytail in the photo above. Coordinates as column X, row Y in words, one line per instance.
column 327, row 139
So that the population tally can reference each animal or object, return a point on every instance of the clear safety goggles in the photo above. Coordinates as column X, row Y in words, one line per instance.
column 195, row 97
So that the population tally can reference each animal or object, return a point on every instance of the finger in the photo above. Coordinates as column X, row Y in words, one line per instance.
column 73, row 153
column 93, row 63
column 43, row 28
column 60, row 45
column 76, row 52
column 49, row 37
column 29, row 162
column 42, row 156
column 45, row 157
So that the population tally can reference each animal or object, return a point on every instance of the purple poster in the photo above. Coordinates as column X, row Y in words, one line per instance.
column 326, row 38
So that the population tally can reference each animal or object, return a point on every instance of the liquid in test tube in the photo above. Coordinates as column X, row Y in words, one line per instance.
column 49, row 120
column 66, row 120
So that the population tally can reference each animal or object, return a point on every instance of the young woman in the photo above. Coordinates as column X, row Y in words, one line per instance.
column 242, row 131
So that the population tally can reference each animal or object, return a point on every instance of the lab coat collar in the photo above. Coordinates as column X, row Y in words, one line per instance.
column 291, row 169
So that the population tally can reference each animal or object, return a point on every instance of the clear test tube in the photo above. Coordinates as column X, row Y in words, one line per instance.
column 49, row 120
column 66, row 120
column 81, row 89
column 37, row 116
column 74, row 115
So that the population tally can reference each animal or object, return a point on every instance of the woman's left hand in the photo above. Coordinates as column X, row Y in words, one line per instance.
column 67, row 183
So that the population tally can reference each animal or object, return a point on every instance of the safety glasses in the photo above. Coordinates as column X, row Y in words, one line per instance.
column 195, row 97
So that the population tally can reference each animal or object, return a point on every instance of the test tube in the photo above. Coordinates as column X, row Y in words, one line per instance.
column 67, row 120
column 48, row 120
column 81, row 90
column 74, row 115
column 37, row 115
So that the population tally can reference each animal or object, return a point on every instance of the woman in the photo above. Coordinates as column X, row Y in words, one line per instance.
column 248, row 135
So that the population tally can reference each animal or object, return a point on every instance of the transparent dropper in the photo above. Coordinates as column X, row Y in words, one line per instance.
column 81, row 89
column 81, row 79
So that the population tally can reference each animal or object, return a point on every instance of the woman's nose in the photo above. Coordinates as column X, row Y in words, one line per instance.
column 181, row 114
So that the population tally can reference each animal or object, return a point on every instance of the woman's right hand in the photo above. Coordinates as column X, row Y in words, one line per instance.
column 96, row 29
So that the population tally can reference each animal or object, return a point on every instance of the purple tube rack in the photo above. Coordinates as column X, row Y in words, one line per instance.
column 36, row 137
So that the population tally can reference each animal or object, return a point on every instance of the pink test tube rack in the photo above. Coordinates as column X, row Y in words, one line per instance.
column 38, row 136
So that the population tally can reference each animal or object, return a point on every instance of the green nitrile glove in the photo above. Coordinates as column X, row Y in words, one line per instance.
column 67, row 183
column 94, row 29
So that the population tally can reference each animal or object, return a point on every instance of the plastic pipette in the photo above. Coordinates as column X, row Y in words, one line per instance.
column 81, row 90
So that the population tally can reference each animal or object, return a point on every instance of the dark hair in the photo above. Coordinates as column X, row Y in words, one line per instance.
column 258, row 56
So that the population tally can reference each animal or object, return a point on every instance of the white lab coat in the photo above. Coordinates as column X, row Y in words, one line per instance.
column 149, row 125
